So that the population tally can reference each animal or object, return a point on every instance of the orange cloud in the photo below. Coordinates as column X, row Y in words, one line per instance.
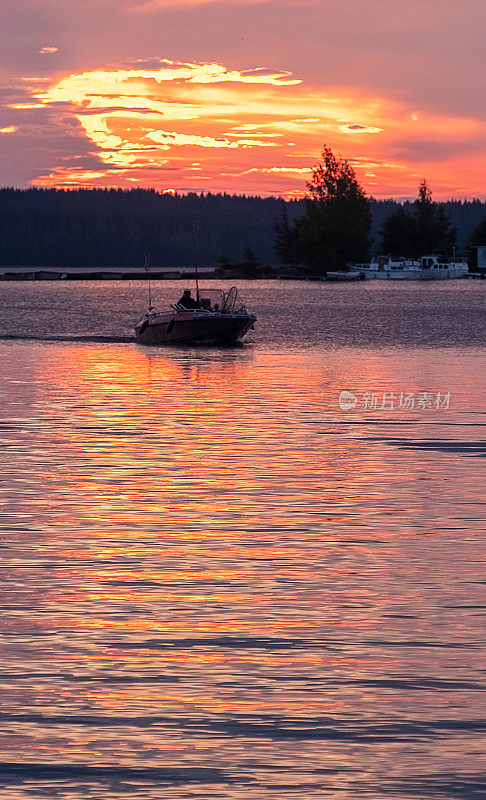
column 204, row 126
column 148, row 6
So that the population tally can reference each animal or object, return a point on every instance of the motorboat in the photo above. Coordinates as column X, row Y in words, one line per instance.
column 213, row 317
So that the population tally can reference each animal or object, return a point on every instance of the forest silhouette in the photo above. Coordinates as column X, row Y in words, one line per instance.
column 114, row 227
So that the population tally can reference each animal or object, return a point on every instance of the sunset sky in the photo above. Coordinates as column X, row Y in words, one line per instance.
column 239, row 96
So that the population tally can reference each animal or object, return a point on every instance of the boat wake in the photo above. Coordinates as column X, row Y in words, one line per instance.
column 65, row 338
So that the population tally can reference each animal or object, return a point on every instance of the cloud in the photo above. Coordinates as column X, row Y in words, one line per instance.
column 48, row 49
column 123, row 84
column 260, row 130
column 124, row 113
column 360, row 129
column 150, row 6
column 168, row 139
column 9, row 129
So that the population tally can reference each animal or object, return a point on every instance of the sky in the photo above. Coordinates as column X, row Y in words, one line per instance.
column 239, row 96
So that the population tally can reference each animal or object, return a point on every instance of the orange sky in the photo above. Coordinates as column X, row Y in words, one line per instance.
column 72, row 116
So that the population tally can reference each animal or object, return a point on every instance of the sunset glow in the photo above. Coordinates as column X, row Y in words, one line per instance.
column 183, row 119
column 242, row 399
column 237, row 122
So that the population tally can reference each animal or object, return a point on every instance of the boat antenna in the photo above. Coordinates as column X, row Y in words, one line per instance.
column 195, row 261
column 147, row 270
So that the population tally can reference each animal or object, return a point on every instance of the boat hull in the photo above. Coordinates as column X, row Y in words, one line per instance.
column 193, row 328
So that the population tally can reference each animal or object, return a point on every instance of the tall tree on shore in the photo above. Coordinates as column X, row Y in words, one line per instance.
column 425, row 229
column 335, row 228
column 476, row 240
column 434, row 231
column 284, row 237
column 478, row 236
column 399, row 233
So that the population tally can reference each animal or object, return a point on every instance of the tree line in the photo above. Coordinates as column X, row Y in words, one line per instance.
column 115, row 228
column 335, row 230
column 335, row 224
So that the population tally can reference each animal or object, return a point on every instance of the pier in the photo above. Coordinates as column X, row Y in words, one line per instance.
column 98, row 274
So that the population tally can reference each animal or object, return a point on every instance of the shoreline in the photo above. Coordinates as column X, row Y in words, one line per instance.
column 31, row 274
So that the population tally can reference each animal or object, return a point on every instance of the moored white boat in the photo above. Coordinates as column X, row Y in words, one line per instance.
column 441, row 267
column 429, row 267
column 341, row 276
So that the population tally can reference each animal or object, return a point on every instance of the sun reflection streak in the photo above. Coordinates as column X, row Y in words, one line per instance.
column 199, row 552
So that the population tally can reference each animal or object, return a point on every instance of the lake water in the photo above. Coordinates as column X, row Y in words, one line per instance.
column 216, row 582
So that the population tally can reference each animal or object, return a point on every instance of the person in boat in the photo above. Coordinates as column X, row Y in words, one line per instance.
column 187, row 300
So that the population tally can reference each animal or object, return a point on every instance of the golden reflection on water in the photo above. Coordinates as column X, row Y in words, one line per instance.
column 204, row 553
column 227, row 449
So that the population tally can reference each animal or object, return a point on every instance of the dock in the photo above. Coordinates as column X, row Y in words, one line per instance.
column 99, row 274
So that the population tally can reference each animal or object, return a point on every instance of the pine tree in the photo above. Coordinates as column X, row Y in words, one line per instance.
column 424, row 229
column 250, row 264
column 399, row 233
column 335, row 229
column 478, row 236
column 284, row 237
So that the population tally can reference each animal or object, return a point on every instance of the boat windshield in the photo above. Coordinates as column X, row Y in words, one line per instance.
column 211, row 299
column 217, row 300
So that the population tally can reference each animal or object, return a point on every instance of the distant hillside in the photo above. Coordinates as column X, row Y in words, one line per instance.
column 113, row 227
